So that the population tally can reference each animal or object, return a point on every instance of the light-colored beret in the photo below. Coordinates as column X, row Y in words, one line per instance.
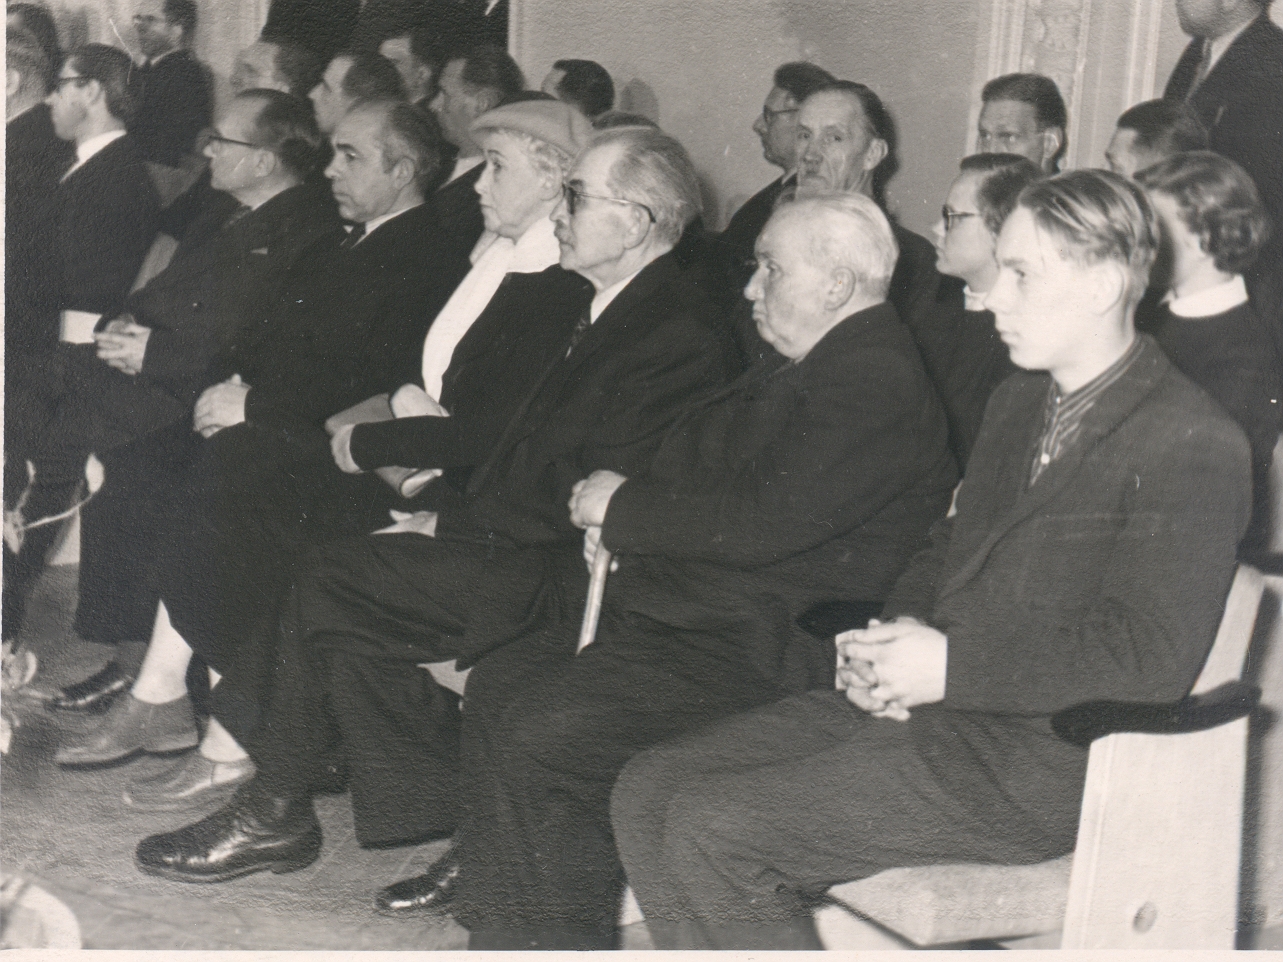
column 548, row 120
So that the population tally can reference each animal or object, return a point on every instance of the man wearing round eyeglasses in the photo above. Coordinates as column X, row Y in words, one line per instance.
column 956, row 337
column 776, row 127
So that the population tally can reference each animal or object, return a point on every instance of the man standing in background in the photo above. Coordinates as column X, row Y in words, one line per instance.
column 176, row 92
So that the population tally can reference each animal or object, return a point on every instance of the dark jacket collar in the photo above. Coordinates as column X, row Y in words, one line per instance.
column 1111, row 409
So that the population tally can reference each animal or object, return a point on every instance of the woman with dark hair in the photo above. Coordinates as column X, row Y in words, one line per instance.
column 1214, row 227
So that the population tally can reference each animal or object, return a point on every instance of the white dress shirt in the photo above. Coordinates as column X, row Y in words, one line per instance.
column 375, row 223
column 973, row 301
column 90, row 147
column 536, row 250
column 601, row 300
column 1211, row 300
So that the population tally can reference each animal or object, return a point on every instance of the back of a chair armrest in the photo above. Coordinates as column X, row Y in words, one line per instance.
column 1156, row 864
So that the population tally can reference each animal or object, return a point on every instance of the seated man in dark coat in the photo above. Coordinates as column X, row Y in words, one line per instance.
column 776, row 127
column 366, row 611
column 1089, row 558
column 847, row 142
column 1215, row 225
column 798, row 484
column 102, row 220
column 152, row 361
column 260, row 483
column 953, row 330
column 177, row 89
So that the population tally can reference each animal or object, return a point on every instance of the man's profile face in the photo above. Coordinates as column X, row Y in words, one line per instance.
column 787, row 289
column 835, row 148
column 255, row 69
column 964, row 246
column 776, row 127
column 1037, row 300
column 593, row 237
column 68, row 102
column 1125, row 155
column 231, row 165
column 509, row 186
column 455, row 105
column 362, row 188
column 1011, row 127
column 328, row 98
column 414, row 73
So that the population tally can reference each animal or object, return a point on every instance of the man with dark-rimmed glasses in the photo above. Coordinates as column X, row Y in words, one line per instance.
column 135, row 380
column 102, row 218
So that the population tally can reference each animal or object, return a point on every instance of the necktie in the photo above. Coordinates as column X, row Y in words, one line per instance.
column 581, row 328
column 1204, row 68
column 353, row 237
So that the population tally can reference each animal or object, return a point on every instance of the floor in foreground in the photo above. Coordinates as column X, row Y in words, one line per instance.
column 69, row 832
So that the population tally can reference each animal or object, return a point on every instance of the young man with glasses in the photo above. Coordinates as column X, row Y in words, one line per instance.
column 103, row 218
column 177, row 91
column 955, row 333
column 128, row 395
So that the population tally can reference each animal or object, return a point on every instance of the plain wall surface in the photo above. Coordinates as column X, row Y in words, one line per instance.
column 702, row 68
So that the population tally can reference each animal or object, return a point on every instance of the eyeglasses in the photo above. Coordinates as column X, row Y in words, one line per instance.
column 213, row 139
column 574, row 196
column 77, row 80
column 768, row 114
column 145, row 20
column 952, row 217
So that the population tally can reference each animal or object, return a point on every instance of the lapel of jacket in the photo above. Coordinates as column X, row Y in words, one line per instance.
column 1110, row 410
column 1240, row 61
column 1182, row 77
column 612, row 323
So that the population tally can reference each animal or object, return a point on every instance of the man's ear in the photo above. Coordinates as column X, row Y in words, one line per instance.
column 265, row 164
column 875, row 153
column 639, row 226
column 484, row 100
column 12, row 82
column 403, row 173
column 841, row 287
column 1108, row 287
column 1053, row 138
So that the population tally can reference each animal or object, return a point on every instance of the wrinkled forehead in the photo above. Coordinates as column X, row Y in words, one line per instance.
column 832, row 108
column 592, row 170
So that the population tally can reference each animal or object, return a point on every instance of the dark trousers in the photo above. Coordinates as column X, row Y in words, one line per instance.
column 546, row 733
column 728, row 834
column 353, row 630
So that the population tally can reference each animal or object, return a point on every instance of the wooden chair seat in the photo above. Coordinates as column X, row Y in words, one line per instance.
column 1156, row 863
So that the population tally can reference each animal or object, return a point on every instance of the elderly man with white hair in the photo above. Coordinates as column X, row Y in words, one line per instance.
column 495, row 561
column 805, row 482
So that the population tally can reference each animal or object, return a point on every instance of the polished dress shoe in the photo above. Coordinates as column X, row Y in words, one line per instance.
column 97, row 691
column 434, row 889
column 249, row 834
column 196, row 780
column 132, row 726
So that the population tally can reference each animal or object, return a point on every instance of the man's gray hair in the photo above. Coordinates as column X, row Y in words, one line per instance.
column 854, row 235
column 654, row 170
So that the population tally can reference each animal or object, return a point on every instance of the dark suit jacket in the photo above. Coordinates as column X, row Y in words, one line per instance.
column 459, row 214
column 106, row 214
column 964, row 357
column 1105, row 580
column 349, row 323
column 177, row 103
column 655, row 348
column 816, row 480
column 525, row 327
column 736, row 242
column 35, row 157
column 1241, row 104
column 323, row 27
column 216, row 282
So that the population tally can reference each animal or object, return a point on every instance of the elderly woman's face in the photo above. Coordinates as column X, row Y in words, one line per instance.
column 514, row 194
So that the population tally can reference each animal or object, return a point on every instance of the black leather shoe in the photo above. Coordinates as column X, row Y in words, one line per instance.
column 245, row 836
column 434, row 889
column 96, row 692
